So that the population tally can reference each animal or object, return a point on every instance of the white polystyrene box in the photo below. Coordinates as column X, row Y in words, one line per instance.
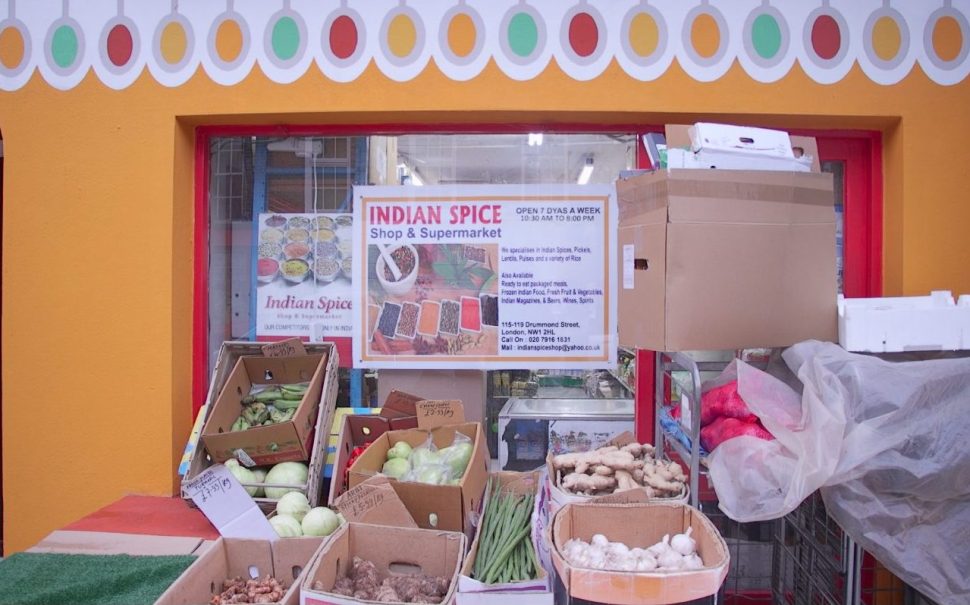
column 910, row 323
column 744, row 139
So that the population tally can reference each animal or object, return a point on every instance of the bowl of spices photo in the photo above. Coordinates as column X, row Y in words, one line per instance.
column 405, row 256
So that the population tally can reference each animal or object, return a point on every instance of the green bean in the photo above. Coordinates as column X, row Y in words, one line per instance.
column 486, row 534
column 502, row 557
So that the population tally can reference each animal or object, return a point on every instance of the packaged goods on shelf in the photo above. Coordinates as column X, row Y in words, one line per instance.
column 639, row 526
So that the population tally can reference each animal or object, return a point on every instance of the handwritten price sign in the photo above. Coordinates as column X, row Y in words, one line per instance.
column 226, row 504
column 436, row 412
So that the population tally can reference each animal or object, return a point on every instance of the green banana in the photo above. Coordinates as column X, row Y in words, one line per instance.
column 275, row 415
column 292, row 395
column 268, row 395
column 241, row 424
column 295, row 388
column 247, row 400
column 286, row 404
column 268, row 422
column 256, row 413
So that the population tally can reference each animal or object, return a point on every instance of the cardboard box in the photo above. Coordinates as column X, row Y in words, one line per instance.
column 403, row 550
column 397, row 413
column 716, row 259
column 374, row 502
column 639, row 525
column 286, row 560
column 447, row 507
column 290, row 440
column 558, row 497
column 196, row 459
column 527, row 592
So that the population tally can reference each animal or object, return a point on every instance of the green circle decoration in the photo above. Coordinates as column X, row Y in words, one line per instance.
column 286, row 38
column 766, row 36
column 64, row 46
column 523, row 34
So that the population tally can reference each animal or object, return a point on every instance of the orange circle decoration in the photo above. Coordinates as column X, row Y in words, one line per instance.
column 461, row 34
column 173, row 43
column 644, row 35
column 12, row 48
column 886, row 38
column 229, row 40
column 947, row 39
column 402, row 36
column 705, row 36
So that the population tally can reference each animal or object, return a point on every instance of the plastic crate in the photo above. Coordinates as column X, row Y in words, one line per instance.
column 910, row 323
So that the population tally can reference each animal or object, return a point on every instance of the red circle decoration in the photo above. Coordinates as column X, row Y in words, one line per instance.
column 343, row 37
column 119, row 45
column 826, row 37
column 583, row 34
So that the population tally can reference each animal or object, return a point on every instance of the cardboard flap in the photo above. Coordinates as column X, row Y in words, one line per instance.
column 291, row 347
column 399, row 404
column 376, row 503
column 808, row 147
column 677, row 135
column 433, row 413
column 629, row 496
column 624, row 438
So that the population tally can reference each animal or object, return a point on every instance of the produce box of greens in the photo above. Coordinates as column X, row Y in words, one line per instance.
column 368, row 563
column 503, row 561
column 267, row 410
column 438, row 470
column 647, row 553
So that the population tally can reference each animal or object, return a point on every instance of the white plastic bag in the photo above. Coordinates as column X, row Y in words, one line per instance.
column 887, row 443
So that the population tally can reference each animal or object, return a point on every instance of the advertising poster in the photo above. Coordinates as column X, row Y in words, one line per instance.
column 303, row 276
column 502, row 276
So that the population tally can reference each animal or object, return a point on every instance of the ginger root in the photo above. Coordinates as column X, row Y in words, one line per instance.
column 587, row 484
column 624, row 481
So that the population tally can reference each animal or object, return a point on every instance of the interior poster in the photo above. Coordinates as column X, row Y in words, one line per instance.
column 303, row 277
column 500, row 276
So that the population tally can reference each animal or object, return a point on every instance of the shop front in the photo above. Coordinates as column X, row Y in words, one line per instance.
column 180, row 175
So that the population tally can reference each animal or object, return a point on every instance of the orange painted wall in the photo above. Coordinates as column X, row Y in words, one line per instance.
column 97, row 241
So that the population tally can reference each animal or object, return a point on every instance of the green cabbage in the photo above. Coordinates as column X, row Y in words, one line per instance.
column 320, row 521
column 294, row 473
column 286, row 526
column 294, row 504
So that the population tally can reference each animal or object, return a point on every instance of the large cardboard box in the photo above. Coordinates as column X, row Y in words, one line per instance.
column 290, row 440
column 399, row 549
column 639, row 525
column 196, row 459
column 286, row 560
column 526, row 592
column 726, row 259
column 446, row 507
column 397, row 413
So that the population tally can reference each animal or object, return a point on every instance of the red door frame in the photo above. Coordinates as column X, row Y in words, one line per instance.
column 861, row 150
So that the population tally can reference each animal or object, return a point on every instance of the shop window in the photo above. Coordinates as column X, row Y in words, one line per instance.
column 253, row 176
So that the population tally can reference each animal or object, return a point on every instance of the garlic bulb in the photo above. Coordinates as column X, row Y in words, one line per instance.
column 599, row 540
column 660, row 547
column 670, row 560
column 683, row 543
column 692, row 561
